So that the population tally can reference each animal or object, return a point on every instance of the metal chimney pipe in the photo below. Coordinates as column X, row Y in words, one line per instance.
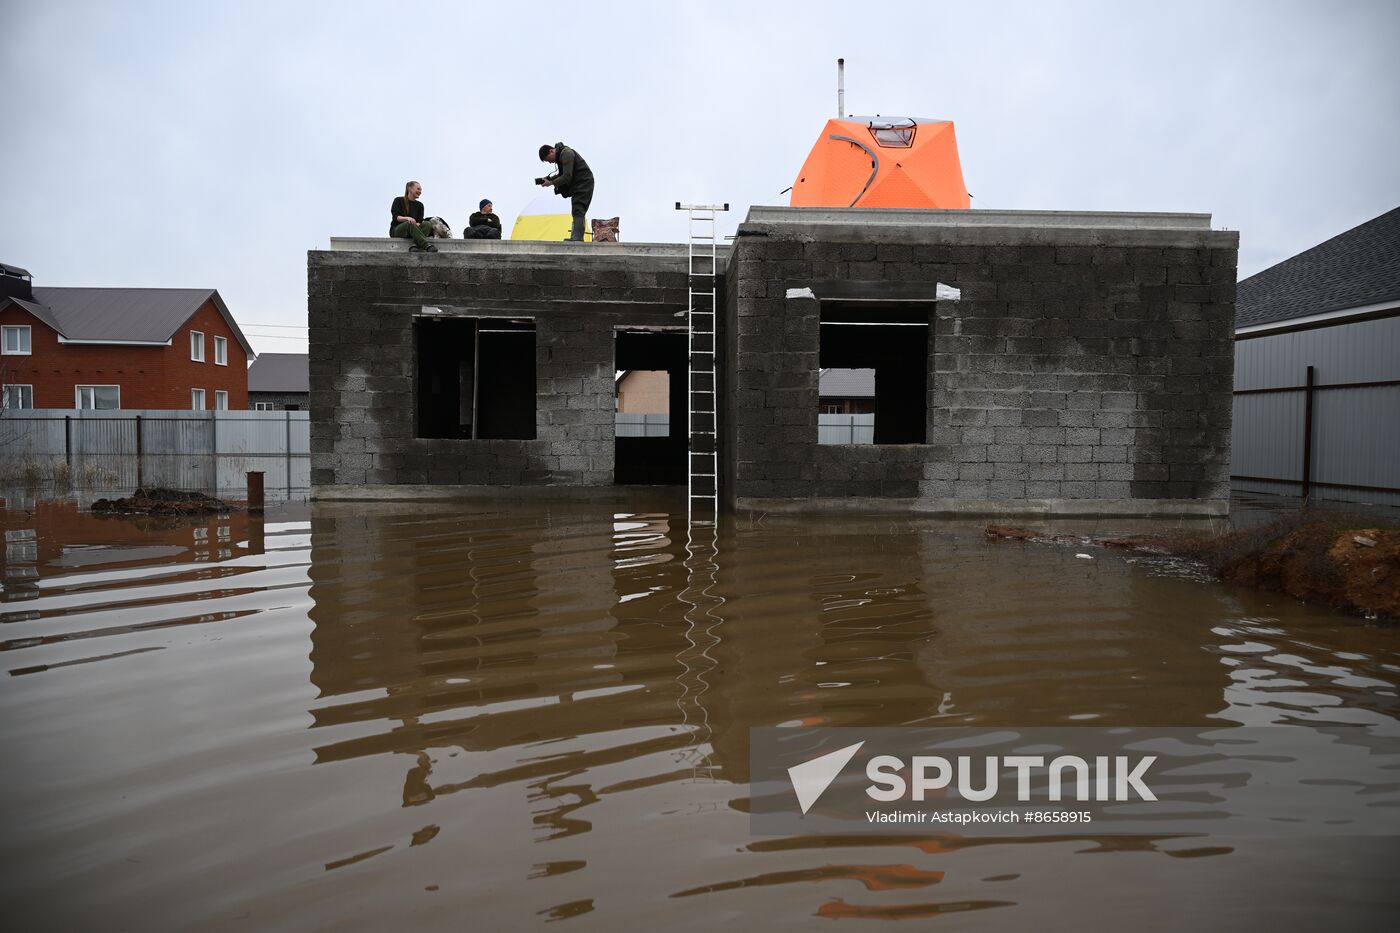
column 840, row 89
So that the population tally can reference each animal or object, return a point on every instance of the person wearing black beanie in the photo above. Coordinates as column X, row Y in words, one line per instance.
column 484, row 224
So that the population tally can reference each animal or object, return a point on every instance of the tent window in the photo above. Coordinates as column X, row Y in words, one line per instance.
column 893, row 137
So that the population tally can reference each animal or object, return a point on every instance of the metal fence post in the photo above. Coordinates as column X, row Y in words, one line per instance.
column 213, row 417
column 140, row 456
column 1307, row 434
column 68, row 442
column 287, row 415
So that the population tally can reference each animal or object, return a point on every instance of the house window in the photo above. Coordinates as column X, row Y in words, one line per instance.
column 197, row 346
column 17, row 396
column 220, row 351
column 220, row 400
column 17, row 340
column 97, row 398
column 476, row 377
column 263, row 406
column 197, row 399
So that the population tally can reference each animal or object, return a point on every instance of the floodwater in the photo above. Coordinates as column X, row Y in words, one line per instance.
column 490, row 717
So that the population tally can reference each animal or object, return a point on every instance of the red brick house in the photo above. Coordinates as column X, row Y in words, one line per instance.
column 138, row 348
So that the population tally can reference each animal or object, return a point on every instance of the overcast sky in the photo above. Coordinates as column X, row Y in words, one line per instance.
column 202, row 144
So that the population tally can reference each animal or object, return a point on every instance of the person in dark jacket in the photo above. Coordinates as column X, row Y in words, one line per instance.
column 484, row 224
column 406, row 219
column 572, row 179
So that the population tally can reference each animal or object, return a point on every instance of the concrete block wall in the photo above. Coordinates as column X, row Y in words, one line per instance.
column 362, row 306
column 1086, row 367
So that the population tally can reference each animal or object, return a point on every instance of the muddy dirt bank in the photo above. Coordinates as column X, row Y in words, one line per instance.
column 1347, row 562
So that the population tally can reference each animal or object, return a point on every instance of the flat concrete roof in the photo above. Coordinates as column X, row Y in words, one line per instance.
column 910, row 217
column 384, row 244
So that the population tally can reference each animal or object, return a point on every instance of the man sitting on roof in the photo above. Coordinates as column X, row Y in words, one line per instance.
column 573, row 179
column 484, row 224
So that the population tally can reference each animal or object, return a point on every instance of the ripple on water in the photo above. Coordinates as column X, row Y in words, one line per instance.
column 539, row 713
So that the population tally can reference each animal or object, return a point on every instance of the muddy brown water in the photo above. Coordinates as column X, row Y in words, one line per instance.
column 491, row 717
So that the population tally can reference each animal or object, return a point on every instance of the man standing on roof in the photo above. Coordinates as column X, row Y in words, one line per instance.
column 572, row 179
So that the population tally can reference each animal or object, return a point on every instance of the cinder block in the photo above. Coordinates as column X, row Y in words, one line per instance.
column 1006, row 489
column 975, row 471
column 1104, row 454
column 1082, row 437
column 1081, row 471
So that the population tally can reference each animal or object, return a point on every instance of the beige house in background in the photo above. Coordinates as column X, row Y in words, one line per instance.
column 644, row 392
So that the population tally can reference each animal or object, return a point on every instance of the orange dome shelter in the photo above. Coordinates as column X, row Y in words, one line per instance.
column 883, row 162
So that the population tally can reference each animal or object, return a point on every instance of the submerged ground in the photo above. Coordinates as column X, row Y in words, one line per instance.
column 489, row 717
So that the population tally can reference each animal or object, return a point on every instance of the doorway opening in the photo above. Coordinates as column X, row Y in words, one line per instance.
column 651, row 408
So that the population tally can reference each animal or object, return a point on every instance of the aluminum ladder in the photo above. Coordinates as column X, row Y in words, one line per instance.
column 702, row 472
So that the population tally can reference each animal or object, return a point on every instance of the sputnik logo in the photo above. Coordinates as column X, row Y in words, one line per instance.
column 811, row 778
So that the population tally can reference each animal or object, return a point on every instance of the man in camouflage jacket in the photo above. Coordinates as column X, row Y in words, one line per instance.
column 572, row 179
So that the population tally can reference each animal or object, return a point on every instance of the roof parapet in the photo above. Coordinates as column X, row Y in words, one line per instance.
column 927, row 217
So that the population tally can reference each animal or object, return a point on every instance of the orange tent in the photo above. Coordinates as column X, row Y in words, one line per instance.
column 883, row 162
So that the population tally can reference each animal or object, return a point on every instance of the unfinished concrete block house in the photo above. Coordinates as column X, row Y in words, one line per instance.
column 1074, row 363
column 1022, row 361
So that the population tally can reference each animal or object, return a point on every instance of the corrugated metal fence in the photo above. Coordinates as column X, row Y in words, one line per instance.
column 635, row 424
column 846, row 429
column 1317, row 413
column 204, row 451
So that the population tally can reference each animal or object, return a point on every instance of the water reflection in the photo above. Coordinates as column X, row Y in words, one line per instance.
column 534, row 713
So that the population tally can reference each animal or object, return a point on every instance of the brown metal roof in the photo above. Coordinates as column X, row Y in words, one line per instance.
column 39, row 311
column 123, row 315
